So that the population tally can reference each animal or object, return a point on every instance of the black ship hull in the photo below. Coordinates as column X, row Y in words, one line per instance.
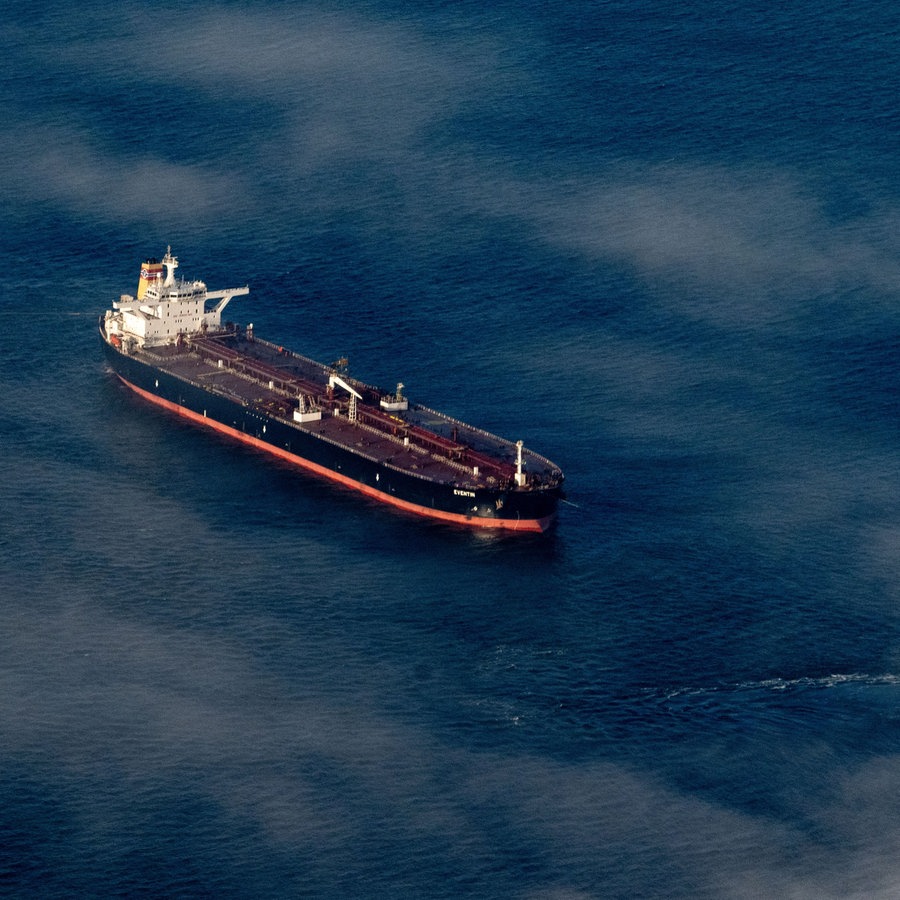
column 503, row 508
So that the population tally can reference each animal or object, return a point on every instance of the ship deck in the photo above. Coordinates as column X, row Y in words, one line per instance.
column 418, row 441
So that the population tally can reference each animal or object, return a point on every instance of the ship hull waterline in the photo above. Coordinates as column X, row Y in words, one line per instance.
column 169, row 393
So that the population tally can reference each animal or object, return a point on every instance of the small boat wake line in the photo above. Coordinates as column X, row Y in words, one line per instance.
column 822, row 682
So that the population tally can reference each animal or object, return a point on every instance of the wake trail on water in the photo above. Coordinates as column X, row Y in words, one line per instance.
column 786, row 684
column 783, row 703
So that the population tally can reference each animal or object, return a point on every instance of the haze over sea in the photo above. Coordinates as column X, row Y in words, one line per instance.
column 657, row 241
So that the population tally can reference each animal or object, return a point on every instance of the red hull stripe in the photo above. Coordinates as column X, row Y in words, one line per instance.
column 537, row 525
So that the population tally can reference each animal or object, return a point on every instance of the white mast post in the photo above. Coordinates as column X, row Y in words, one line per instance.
column 520, row 475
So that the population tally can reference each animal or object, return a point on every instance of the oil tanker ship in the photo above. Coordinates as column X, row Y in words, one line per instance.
column 170, row 345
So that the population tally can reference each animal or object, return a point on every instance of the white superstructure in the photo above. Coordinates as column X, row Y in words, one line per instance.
column 165, row 308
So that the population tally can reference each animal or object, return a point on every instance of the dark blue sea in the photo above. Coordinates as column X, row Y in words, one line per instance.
column 657, row 241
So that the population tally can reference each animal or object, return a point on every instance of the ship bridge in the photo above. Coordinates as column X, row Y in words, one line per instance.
column 166, row 309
